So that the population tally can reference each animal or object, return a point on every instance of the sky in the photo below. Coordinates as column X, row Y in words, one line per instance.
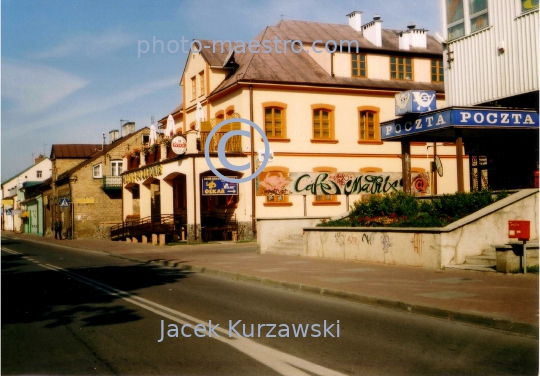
column 71, row 70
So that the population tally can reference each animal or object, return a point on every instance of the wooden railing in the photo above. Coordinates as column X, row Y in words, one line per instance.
column 169, row 224
column 234, row 143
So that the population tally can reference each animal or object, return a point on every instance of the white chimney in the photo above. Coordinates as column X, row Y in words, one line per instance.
column 128, row 128
column 373, row 31
column 413, row 37
column 355, row 20
column 404, row 41
column 113, row 135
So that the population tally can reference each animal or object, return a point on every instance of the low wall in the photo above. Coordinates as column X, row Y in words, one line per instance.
column 401, row 246
column 427, row 247
column 272, row 230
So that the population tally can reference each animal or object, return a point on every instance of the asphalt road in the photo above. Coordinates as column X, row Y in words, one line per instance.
column 68, row 311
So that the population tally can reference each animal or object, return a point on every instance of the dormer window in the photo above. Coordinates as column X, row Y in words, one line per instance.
column 359, row 65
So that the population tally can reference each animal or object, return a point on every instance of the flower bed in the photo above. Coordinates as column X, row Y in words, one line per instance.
column 401, row 210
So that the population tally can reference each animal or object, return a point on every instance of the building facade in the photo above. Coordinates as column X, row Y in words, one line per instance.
column 491, row 59
column 86, row 192
column 319, row 104
column 491, row 52
column 16, row 216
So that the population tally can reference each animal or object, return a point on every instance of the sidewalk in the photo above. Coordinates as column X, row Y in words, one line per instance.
column 494, row 300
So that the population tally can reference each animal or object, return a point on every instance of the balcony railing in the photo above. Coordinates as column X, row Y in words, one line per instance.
column 234, row 143
column 112, row 182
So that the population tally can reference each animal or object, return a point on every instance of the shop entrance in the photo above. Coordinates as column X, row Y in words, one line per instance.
column 218, row 203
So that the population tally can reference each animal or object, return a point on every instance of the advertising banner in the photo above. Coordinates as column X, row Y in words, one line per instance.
column 214, row 186
column 338, row 183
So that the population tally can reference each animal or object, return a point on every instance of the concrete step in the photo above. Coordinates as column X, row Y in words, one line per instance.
column 489, row 252
column 481, row 260
column 478, row 268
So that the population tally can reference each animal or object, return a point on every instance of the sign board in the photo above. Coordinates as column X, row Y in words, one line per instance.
column 337, row 183
column 9, row 212
column 179, row 145
column 7, row 201
column 17, row 211
column 64, row 202
column 457, row 117
column 415, row 101
column 519, row 229
column 84, row 200
column 214, row 186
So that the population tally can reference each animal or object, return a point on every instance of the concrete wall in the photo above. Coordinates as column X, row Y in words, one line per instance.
column 414, row 247
column 427, row 247
column 273, row 230
column 471, row 235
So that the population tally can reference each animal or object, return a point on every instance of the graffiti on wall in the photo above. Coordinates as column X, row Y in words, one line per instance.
column 337, row 183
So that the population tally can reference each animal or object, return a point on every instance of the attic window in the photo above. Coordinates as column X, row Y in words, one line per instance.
column 96, row 171
column 145, row 139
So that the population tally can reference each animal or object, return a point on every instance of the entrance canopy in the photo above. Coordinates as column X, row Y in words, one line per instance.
column 446, row 124
column 507, row 139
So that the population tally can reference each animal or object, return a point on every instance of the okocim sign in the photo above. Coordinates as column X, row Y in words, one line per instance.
column 458, row 117
column 179, row 145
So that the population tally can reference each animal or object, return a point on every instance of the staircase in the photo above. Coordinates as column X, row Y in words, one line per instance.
column 293, row 246
column 486, row 262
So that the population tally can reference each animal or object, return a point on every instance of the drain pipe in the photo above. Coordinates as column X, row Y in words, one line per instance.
column 252, row 147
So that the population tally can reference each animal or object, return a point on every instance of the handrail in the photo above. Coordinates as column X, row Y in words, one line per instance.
column 166, row 223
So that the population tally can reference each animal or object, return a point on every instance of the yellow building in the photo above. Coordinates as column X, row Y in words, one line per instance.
column 318, row 91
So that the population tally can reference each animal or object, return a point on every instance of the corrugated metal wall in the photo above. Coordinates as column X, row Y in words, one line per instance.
column 480, row 72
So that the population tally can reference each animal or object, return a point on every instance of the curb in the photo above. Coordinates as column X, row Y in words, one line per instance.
column 463, row 317
column 468, row 318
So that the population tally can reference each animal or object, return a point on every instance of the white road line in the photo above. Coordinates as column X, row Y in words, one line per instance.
column 280, row 362
column 11, row 251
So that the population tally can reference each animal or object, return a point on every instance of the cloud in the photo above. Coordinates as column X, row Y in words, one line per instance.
column 85, row 106
column 88, row 45
column 34, row 87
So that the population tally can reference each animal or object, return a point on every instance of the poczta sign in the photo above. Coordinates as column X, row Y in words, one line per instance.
column 459, row 117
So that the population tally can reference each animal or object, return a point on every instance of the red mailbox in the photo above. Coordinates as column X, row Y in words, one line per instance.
column 519, row 229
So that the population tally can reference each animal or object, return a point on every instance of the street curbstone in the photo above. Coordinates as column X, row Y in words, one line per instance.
column 311, row 289
column 290, row 286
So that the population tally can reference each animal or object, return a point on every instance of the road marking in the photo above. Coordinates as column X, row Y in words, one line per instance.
column 283, row 363
column 11, row 251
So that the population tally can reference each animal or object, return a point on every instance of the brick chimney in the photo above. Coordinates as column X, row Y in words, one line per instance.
column 373, row 31
column 39, row 158
column 355, row 20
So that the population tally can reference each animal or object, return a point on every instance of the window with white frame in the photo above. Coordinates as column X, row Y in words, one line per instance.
column 116, row 168
column 466, row 16
column 455, row 19
column 96, row 171
column 478, row 11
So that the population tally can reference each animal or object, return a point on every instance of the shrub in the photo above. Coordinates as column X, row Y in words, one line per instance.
column 401, row 210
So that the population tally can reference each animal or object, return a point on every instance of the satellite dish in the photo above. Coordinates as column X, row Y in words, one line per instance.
column 438, row 165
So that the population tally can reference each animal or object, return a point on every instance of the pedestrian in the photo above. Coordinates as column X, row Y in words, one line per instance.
column 58, row 228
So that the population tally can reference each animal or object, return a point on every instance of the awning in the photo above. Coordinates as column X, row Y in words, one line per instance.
column 470, row 122
column 25, row 214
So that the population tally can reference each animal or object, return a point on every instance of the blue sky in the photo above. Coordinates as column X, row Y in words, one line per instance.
column 71, row 71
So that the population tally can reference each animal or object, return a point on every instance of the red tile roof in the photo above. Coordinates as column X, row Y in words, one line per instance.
column 74, row 150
